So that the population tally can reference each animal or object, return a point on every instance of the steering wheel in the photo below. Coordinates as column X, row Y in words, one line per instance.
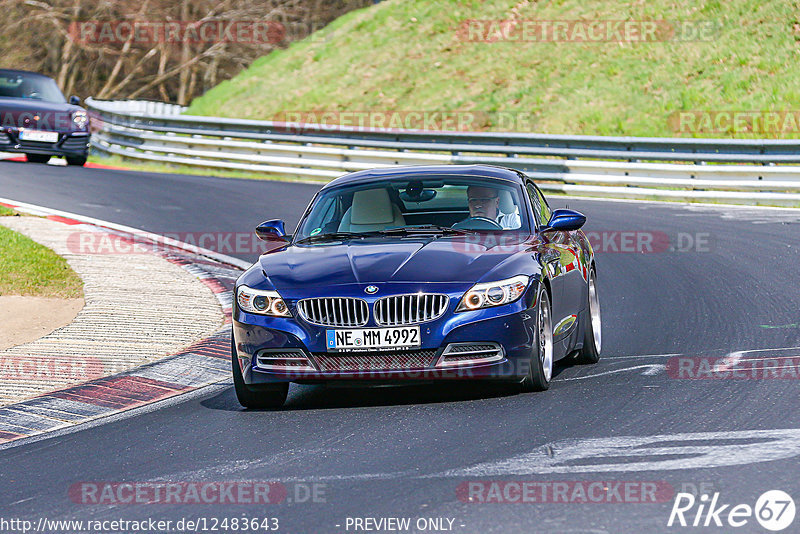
column 477, row 223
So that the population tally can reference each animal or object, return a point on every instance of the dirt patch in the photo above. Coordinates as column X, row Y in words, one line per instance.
column 24, row 319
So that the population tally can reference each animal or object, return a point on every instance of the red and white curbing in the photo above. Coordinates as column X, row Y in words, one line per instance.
column 201, row 364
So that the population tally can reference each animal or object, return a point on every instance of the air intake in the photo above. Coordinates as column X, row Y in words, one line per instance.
column 334, row 311
column 409, row 309
column 284, row 360
column 458, row 354
column 376, row 361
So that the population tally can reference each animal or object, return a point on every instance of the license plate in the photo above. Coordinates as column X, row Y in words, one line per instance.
column 38, row 135
column 365, row 339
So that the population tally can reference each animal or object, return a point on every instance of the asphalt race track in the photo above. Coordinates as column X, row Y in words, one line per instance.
column 731, row 286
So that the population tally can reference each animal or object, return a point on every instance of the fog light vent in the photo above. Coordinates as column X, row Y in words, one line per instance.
column 458, row 354
column 283, row 360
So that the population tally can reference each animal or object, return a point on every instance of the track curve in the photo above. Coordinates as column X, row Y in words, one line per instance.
column 405, row 451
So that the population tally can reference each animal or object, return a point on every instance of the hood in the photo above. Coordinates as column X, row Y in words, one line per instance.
column 376, row 260
column 53, row 116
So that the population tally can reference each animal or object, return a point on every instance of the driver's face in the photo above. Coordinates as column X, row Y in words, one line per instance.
column 483, row 202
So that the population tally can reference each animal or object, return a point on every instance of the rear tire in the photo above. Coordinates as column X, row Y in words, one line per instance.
column 593, row 326
column 540, row 371
column 256, row 396
column 37, row 158
column 78, row 161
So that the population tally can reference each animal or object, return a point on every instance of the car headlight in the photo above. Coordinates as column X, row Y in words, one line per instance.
column 80, row 119
column 489, row 294
column 262, row 302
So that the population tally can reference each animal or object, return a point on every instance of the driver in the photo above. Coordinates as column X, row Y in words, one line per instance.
column 485, row 202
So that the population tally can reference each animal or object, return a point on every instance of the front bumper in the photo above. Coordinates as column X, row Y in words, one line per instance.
column 68, row 144
column 509, row 328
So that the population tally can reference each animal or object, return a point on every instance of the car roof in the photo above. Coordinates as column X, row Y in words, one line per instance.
column 412, row 171
column 26, row 72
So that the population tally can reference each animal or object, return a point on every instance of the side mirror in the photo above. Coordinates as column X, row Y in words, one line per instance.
column 270, row 230
column 564, row 220
column 75, row 101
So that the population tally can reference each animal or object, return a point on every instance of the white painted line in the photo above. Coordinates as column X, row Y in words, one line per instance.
column 768, row 368
column 728, row 361
column 42, row 210
column 765, row 350
column 632, row 356
column 695, row 450
column 652, row 369
column 764, row 358
column 734, row 358
column 641, row 453
column 669, row 355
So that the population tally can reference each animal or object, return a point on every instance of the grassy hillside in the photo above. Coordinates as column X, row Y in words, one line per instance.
column 409, row 55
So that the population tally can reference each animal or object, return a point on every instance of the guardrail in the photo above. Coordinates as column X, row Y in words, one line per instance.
column 731, row 171
column 140, row 107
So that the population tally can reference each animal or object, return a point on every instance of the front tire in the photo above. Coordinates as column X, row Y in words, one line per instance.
column 540, row 370
column 37, row 158
column 78, row 161
column 593, row 327
column 256, row 396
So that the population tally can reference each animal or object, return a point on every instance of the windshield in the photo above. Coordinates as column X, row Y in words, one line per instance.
column 447, row 204
column 18, row 85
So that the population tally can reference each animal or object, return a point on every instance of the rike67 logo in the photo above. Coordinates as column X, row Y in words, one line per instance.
column 774, row 510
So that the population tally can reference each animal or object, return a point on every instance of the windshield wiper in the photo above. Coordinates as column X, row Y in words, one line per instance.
column 424, row 229
column 336, row 236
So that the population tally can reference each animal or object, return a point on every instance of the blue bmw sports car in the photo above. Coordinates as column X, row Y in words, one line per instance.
column 417, row 273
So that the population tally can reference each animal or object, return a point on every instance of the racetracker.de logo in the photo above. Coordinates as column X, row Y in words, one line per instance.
column 221, row 242
column 735, row 122
column 381, row 121
column 734, row 367
column 647, row 242
column 602, row 241
column 565, row 492
column 57, row 368
column 114, row 493
column 60, row 121
column 586, row 31
column 149, row 32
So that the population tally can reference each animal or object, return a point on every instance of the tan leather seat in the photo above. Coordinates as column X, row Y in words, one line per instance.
column 372, row 210
column 509, row 213
column 506, row 204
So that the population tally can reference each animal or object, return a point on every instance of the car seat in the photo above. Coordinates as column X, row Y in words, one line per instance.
column 372, row 210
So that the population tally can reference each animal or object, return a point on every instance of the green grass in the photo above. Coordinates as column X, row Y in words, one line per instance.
column 400, row 55
column 4, row 211
column 28, row 268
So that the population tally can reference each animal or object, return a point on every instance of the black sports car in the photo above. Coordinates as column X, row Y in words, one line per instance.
column 36, row 119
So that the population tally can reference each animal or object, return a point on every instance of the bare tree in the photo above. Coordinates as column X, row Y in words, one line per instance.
column 56, row 37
